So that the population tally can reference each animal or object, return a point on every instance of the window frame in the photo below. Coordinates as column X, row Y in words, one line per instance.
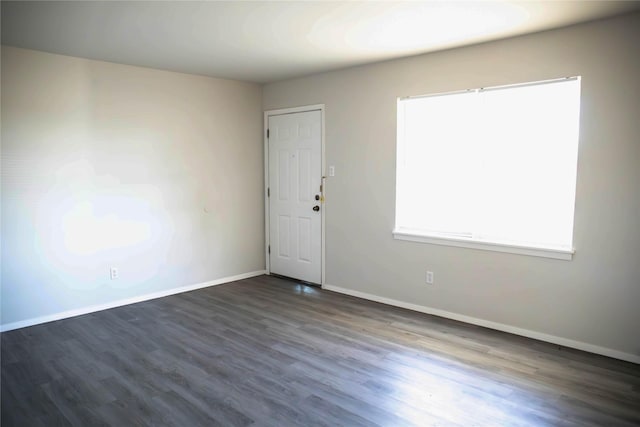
column 420, row 236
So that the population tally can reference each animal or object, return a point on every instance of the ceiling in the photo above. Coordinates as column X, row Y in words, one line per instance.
column 266, row 41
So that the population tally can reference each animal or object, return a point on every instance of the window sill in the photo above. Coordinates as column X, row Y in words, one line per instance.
column 413, row 236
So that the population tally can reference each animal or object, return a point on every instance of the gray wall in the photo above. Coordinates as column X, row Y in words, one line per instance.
column 592, row 299
column 157, row 173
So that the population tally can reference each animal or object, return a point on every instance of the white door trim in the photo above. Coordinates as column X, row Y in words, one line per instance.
column 267, row 114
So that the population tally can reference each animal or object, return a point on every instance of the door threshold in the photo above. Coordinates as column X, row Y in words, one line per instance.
column 299, row 281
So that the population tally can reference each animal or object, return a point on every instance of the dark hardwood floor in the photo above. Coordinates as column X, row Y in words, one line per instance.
column 270, row 352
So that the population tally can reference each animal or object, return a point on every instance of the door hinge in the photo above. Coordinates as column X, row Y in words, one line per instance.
column 267, row 133
column 269, row 249
column 268, row 192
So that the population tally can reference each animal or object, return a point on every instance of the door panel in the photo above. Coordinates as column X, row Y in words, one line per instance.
column 295, row 174
column 283, row 175
column 283, row 239
column 304, row 240
column 304, row 175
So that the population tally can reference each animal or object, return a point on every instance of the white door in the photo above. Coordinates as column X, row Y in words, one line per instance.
column 295, row 176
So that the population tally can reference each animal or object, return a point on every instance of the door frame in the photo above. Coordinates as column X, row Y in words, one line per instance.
column 267, row 241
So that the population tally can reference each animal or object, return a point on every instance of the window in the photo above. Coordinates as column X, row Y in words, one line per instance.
column 492, row 168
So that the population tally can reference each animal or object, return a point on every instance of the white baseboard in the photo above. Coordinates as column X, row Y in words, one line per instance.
column 126, row 301
column 591, row 348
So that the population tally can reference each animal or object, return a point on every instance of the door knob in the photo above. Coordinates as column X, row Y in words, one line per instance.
column 316, row 208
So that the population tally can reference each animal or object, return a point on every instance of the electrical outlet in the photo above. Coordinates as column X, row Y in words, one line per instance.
column 113, row 272
column 429, row 278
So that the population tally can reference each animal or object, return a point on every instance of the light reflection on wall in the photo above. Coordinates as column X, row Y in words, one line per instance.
column 86, row 232
column 87, row 219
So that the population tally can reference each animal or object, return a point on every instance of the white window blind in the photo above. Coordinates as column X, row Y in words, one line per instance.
column 493, row 165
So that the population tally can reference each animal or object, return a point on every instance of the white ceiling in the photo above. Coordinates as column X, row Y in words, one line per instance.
column 266, row 41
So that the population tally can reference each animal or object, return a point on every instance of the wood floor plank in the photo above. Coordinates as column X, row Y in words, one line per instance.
column 271, row 352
